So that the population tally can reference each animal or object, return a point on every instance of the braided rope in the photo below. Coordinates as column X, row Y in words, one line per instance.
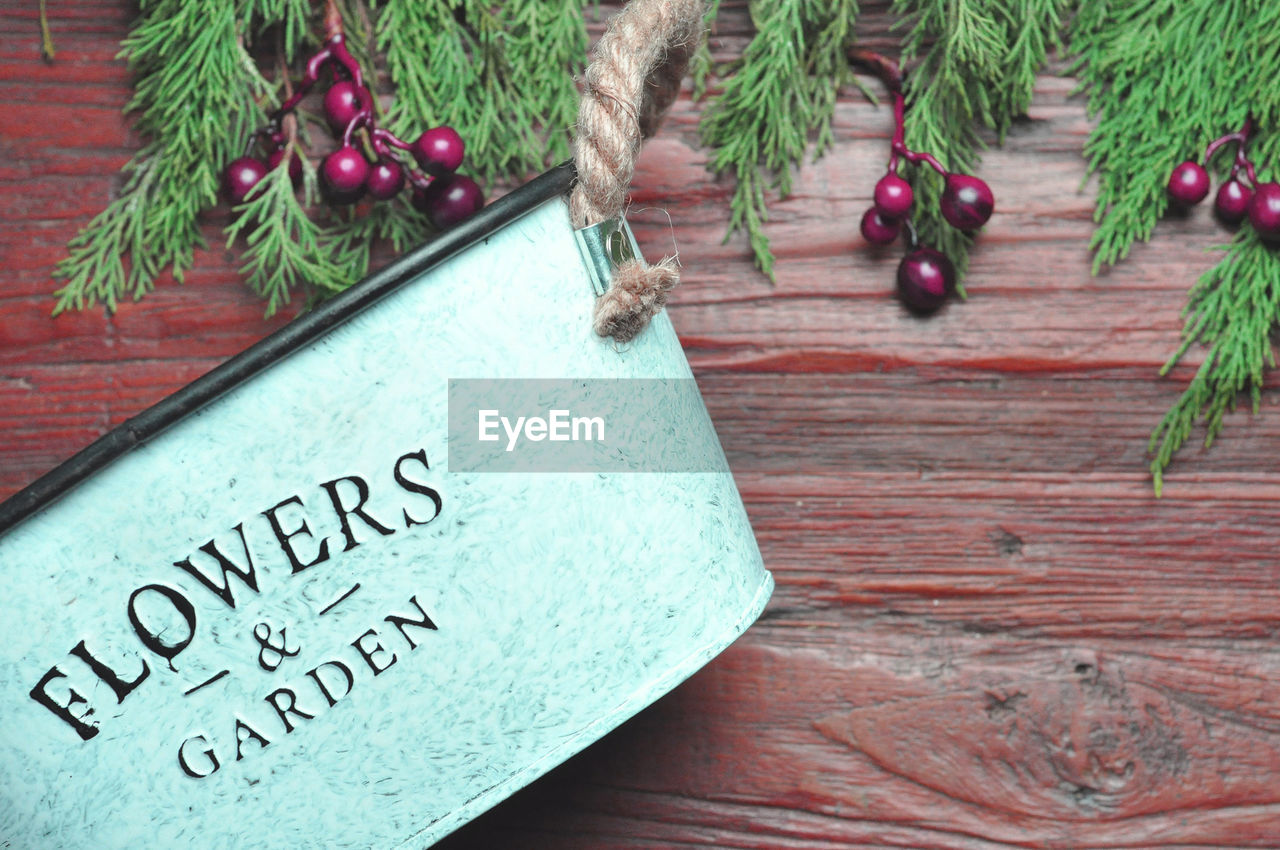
column 634, row 76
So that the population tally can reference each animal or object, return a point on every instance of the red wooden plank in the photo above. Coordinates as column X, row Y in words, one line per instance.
column 810, row 737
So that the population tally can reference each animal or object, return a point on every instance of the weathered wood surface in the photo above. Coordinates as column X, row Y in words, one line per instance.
column 986, row 632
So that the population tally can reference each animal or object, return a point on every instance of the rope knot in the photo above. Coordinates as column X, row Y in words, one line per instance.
column 637, row 294
column 634, row 76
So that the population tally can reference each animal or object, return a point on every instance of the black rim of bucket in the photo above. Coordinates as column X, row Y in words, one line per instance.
column 299, row 333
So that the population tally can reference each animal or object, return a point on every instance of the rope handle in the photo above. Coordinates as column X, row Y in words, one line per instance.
column 634, row 76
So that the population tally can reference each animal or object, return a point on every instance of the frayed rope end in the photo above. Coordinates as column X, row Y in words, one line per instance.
column 638, row 292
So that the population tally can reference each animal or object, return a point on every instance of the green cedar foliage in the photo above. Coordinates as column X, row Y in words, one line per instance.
column 395, row 221
column 1166, row 77
column 196, row 102
column 283, row 246
column 700, row 62
column 501, row 74
column 1233, row 310
column 782, row 91
column 971, row 64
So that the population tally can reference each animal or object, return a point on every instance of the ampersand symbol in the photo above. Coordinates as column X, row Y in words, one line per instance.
column 277, row 648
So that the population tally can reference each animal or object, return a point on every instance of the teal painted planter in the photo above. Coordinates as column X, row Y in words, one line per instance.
column 281, row 621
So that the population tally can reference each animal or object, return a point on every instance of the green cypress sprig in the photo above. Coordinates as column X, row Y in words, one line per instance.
column 549, row 35
column 401, row 225
column 700, row 61
column 1164, row 78
column 284, row 247
column 501, row 75
column 351, row 238
column 360, row 33
column 1162, row 82
column 196, row 101
column 1232, row 309
column 759, row 126
column 974, row 65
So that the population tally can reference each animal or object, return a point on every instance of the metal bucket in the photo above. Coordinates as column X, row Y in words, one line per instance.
column 272, row 611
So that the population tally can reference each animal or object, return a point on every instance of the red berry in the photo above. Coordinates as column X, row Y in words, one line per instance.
column 241, row 176
column 925, row 279
column 439, row 150
column 893, row 197
column 343, row 173
column 1264, row 211
column 295, row 165
column 1188, row 184
column 448, row 200
column 343, row 102
column 385, row 180
column 877, row 229
column 966, row 202
column 1232, row 202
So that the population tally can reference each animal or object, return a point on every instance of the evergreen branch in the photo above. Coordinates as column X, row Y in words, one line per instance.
column 196, row 102
column 547, row 54
column 501, row 76
column 402, row 225
column 759, row 126
column 350, row 246
column 284, row 248
column 95, row 270
column 1233, row 309
column 351, row 240
column 978, row 61
column 759, row 123
column 700, row 62
column 826, row 65
column 1036, row 30
column 1163, row 79
column 500, row 73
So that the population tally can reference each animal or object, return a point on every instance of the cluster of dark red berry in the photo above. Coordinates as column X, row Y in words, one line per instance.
column 926, row 277
column 371, row 160
column 1236, row 197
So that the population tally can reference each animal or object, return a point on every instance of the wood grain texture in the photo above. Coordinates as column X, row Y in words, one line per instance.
column 986, row 632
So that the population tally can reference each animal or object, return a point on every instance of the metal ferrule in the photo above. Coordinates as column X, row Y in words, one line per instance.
column 604, row 247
